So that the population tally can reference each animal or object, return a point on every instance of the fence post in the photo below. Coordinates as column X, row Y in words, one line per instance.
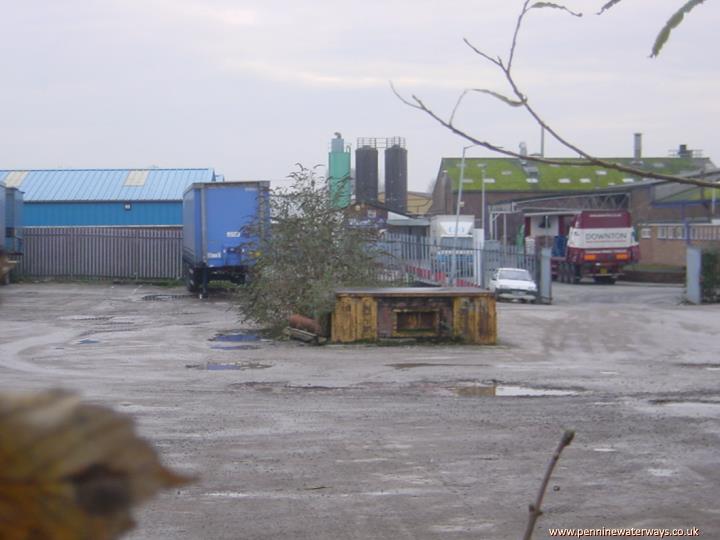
column 545, row 276
column 692, row 275
column 478, row 266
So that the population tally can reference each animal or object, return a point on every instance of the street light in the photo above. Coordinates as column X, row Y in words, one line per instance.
column 453, row 264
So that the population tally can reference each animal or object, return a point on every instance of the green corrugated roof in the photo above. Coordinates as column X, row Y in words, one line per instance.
column 506, row 174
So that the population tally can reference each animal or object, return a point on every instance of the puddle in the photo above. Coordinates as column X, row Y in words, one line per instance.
column 85, row 318
column 476, row 391
column 235, row 347
column 165, row 297
column 709, row 366
column 501, row 390
column 670, row 401
column 87, row 341
column 521, row 391
column 461, row 388
column 220, row 366
column 689, row 407
column 412, row 365
column 272, row 387
column 240, row 336
column 662, row 473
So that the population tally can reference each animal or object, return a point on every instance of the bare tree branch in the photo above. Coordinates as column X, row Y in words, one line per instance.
column 671, row 24
column 523, row 101
column 504, row 99
column 555, row 6
column 516, row 33
column 457, row 105
column 607, row 6
column 497, row 61
column 536, row 508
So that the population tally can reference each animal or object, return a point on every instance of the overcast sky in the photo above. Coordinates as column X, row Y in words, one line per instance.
column 252, row 87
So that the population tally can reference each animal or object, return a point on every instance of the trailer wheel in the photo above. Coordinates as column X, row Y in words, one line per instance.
column 190, row 284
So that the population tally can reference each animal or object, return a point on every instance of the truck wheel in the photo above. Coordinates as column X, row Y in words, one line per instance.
column 575, row 273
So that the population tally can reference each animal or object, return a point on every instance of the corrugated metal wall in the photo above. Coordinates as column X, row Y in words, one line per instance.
column 103, row 252
column 102, row 213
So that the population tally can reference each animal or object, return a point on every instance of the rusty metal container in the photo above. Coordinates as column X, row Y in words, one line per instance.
column 463, row 314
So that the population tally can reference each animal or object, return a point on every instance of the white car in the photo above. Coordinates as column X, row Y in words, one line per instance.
column 513, row 284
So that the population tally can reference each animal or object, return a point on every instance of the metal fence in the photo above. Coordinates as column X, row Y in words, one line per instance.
column 705, row 232
column 422, row 259
column 102, row 252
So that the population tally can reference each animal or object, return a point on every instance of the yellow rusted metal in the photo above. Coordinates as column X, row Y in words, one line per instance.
column 461, row 314
column 354, row 319
column 474, row 319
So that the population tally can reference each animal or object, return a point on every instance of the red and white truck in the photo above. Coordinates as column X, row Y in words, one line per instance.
column 599, row 244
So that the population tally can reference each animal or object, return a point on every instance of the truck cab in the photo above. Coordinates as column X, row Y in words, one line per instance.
column 599, row 244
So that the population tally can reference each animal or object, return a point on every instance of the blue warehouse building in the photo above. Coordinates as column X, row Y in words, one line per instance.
column 104, row 197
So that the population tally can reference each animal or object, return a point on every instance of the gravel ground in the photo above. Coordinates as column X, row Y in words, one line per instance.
column 294, row 441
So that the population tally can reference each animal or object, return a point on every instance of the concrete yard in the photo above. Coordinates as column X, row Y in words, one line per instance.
column 398, row 442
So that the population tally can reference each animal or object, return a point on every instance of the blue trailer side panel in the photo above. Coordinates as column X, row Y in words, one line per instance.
column 228, row 212
column 216, row 217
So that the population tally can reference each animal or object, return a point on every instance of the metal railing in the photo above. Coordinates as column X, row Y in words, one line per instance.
column 425, row 260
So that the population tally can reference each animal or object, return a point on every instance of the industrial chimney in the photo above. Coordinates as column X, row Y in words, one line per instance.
column 637, row 149
column 396, row 175
column 366, row 172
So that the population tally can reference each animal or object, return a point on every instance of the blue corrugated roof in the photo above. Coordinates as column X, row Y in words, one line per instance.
column 107, row 184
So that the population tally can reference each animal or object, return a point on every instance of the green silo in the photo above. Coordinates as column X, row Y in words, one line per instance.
column 339, row 172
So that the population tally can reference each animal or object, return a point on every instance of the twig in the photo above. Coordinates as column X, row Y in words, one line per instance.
column 516, row 33
column 535, row 509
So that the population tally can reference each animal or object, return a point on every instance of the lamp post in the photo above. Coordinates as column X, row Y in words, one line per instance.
column 453, row 264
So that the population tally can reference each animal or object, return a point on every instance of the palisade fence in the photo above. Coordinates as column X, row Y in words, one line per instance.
column 102, row 252
column 420, row 259
column 156, row 253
